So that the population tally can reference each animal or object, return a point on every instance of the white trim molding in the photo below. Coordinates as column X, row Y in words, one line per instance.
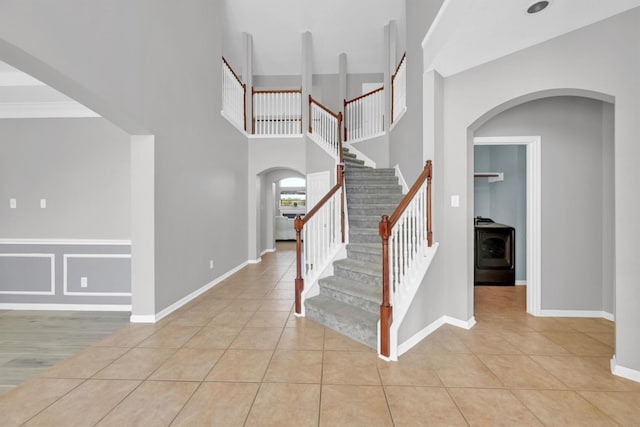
column 65, row 290
column 52, row 257
column 193, row 295
column 96, row 242
column 534, row 212
column 577, row 313
column 621, row 371
column 65, row 307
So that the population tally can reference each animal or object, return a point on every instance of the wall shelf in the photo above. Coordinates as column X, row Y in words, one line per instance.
column 491, row 176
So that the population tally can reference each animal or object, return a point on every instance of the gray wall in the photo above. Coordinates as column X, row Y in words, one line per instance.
column 604, row 63
column 571, row 131
column 80, row 166
column 405, row 139
column 505, row 201
column 152, row 70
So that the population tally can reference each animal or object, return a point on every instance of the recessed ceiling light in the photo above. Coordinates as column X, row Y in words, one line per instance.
column 536, row 7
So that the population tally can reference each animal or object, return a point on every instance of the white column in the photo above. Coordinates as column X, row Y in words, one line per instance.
column 307, row 74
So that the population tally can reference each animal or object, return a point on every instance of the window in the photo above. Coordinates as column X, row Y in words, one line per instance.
column 293, row 199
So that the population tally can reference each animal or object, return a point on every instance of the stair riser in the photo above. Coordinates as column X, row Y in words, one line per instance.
column 371, row 222
column 364, row 304
column 353, row 162
column 371, row 180
column 367, row 336
column 367, row 199
column 383, row 171
column 369, row 210
column 363, row 256
column 374, row 189
column 371, row 279
column 364, row 238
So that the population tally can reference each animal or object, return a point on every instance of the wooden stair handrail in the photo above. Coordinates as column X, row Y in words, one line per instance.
column 399, row 65
column 299, row 222
column 253, row 90
column 232, row 72
column 313, row 101
column 363, row 96
column 384, row 229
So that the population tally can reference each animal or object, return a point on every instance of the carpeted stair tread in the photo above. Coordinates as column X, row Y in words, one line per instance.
column 359, row 266
column 362, row 295
column 369, row 170
column 358, row 324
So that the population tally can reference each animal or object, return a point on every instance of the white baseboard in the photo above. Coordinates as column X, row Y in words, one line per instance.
column 420, row 335
column 65, row 307
column 464, row 324
column 521, row 283
column 176, row 305
column 255, row 261
column 267, row 251
column 136, row 318
column 431, row 328
column 577, row 313
column 621, row 371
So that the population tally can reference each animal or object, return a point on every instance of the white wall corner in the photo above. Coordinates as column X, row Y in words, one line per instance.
column 621, row 371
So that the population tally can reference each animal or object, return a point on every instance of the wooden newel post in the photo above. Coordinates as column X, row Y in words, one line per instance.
column 429, row 167
column 386, row 311
column 298, row 224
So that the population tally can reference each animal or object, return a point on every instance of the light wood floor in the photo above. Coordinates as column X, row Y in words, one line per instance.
column 33, row 341
column 237, row 356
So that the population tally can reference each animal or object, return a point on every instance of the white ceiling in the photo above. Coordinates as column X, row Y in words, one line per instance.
column 471, row 32
column 22, row 96
column 466, row 33
column 355, row 27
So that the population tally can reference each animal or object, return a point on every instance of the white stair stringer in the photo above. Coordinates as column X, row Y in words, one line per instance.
column 401, row 308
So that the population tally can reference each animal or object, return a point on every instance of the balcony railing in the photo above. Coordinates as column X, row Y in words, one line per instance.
column 233, row 96
column 277, row 112
column 364, row 115
column 324, row 127
column 399, row 90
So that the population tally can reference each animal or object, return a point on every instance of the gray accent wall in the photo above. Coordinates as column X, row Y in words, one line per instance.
column 573, row 226
column 81, row 167
column 505, row 201
column 51, row 273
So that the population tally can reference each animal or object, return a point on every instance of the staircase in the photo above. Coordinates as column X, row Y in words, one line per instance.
column 349, row 301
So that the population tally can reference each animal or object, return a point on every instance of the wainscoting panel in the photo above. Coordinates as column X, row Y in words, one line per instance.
column 27, row 274
column 54, row 272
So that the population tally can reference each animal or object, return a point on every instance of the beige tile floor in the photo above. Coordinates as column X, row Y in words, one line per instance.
column 237, row 356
